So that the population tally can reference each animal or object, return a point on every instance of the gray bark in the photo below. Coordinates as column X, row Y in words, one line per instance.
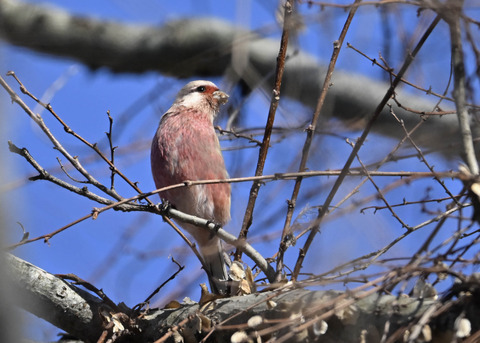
column 58, row 302
column 348, row 316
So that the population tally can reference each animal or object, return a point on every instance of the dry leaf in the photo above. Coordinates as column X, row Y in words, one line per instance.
column 206, row 296
column 237, row 272
column 173, row 304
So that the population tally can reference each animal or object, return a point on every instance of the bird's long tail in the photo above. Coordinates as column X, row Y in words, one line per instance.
column 215, row 263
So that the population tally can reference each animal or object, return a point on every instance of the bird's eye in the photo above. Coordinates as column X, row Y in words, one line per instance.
column 201, row 89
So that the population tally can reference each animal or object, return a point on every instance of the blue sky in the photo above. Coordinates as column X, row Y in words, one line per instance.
column 127, row 255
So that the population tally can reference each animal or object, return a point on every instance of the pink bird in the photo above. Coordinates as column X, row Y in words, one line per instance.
column 186, row 147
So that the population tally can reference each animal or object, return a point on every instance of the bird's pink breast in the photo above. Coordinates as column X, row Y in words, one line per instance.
column 186, row 147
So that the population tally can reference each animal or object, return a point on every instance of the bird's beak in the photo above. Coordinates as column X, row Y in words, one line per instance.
column 221, row 97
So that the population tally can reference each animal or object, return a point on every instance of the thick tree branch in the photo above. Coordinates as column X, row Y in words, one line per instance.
column 281, row 314
column 58, row 302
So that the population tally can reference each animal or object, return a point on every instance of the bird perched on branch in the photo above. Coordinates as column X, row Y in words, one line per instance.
column 186, row 147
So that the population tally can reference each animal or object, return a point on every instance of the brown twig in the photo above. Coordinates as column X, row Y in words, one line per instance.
column 56, row 143
column 262, row 156
column 112, row 150
column 406, row 203
column 358, row 145
column 382, row 196
column 323, row 4
column 427, row 91
column 138, row 308
column 79, row 281
column 62, row 167
column 235, row 134
column 421, row 155
column 287, row 231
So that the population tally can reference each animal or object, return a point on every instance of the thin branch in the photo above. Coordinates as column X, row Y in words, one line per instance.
column 358, row 145
column 112, row 150
column 45, row 175
column 138, row 308
column 381, row 196
column 427, row 91
column 287, row 230
column 452, row 13
column 69, row 130
column 235, row 134
column 262, row 155
column 41, row 124
column 406, row 203
column 421, row 156
column 62, row 167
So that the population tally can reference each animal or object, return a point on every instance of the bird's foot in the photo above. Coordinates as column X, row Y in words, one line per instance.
column 164, row 208
column 216, row 226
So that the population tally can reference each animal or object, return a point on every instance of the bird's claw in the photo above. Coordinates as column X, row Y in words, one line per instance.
column 164, row 207
column 216, row 226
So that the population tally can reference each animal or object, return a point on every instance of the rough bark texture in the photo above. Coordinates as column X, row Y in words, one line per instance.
column 57, row 301
column 282, row 312
column 204, row 47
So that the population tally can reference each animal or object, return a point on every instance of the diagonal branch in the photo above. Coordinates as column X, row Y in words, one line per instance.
column 287, row 230
column 56, row 143
column 315, row 228
column 262, row 155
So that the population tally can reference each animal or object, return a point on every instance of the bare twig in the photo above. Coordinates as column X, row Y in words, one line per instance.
column 262, row 156
column 287, row 231
column 112, row 150
column 382, row 196
column 235, row 134
column 69, row 130
column 358, row 145
column 451, row 12
column 39, row 121
column 427, row 91
column 62, row 167
column 79, row 281
column 421, row 155
column 138, row 308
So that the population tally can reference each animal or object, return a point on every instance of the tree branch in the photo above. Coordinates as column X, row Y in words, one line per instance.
column 203, row 47
column 58, row 302
column 281, row 314
column 451, row 12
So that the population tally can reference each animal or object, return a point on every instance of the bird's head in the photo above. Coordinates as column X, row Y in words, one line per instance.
column 201, row 95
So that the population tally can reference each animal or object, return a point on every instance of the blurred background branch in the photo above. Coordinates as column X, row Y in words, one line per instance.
column 203, row 47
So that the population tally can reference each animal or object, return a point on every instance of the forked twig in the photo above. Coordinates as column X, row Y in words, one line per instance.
column 358, row 145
